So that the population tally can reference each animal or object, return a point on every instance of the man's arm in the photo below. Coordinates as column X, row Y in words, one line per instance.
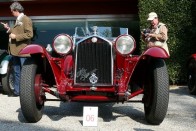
column 162, row 36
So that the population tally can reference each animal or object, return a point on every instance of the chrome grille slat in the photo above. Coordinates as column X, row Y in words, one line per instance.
column 94, row 58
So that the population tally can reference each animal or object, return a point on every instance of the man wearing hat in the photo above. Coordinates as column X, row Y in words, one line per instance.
column 19, row 36
column 156, row 34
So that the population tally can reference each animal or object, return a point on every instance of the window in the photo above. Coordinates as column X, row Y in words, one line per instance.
column 45, row 29
column 45, row 32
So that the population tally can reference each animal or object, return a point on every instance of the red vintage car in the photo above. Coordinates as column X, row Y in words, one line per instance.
column 94, row 65
column 191, row 66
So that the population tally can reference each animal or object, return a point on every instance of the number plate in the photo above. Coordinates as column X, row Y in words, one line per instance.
column 90, row 116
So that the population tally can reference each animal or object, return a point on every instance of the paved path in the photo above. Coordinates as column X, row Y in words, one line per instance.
column 61, row 116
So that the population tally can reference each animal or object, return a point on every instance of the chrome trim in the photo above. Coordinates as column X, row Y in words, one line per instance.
column 112, row 61
column 81, row 17
column 87, row 37
column 90, row 85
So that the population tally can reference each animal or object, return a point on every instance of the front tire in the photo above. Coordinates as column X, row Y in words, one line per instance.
column 31, row 108
column 192, row 76
column 156, row 93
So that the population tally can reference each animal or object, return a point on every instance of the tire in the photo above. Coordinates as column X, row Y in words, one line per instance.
column 32, row 110
column 156, row 93
column 192, row 76
column 7, row 81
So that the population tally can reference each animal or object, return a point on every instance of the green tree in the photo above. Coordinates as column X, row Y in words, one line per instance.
column 179, row 16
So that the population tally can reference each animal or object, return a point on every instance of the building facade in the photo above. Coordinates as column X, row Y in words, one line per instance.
column 51, row 17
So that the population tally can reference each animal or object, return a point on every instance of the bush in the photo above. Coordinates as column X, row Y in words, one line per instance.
column 179, row 16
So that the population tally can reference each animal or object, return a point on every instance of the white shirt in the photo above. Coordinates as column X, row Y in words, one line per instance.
column 20, row 16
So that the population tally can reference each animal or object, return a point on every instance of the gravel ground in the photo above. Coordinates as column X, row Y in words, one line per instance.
column 59, row 116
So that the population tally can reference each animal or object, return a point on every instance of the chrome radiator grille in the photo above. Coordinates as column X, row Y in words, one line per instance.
column 94, row 62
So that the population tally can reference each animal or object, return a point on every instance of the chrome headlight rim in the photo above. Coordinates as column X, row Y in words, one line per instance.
column 67, row 39
column 129, row 39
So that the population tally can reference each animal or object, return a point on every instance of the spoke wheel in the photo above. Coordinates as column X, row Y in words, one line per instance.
column 7, row 80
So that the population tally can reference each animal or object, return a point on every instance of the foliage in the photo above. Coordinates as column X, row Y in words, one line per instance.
column 180, row 18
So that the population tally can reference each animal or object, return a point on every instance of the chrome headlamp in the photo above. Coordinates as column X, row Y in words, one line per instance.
column 62, row 44
column 125, row 44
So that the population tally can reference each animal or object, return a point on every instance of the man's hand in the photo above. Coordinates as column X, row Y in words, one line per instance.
column 12, row 36
column 156, row 36
column 6, row 26
column 151, row 35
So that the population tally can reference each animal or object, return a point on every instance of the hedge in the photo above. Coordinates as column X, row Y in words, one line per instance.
column 180, row 18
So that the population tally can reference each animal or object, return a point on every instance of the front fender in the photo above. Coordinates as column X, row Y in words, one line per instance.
column 157, row 52
column 32, row 49
column 4, row 64
column 193, row 56
column 140, row 71
column 191, row 59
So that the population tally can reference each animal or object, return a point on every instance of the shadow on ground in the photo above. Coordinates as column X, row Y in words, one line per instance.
column 107, row 111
